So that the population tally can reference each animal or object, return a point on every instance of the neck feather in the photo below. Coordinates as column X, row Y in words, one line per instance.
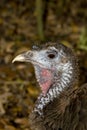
column 65, row 79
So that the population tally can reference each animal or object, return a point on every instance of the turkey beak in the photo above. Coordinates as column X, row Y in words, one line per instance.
column 24, row 57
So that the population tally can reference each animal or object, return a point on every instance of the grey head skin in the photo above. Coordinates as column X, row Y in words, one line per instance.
column 56, row 69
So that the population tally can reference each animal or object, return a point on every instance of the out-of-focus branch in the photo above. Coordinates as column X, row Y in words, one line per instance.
column 39, row 13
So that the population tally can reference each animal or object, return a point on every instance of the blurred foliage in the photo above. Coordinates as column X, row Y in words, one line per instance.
column 83, row 39
column 22, row 24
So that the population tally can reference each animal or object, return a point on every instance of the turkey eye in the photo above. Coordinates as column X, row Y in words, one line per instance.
column 51, row 56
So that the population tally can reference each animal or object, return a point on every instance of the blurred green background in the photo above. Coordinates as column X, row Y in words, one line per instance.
column 24, row 23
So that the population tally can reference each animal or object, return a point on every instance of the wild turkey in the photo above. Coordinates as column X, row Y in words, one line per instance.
column 62, row 104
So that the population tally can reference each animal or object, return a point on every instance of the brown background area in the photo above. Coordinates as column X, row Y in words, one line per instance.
column 62, row 20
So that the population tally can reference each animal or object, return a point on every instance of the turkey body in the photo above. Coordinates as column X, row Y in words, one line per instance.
column 67, row 112
column 62, row 104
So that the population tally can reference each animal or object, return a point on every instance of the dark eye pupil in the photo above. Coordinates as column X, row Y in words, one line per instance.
column 51, row 56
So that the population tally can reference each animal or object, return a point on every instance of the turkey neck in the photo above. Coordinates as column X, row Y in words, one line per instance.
column 61, row 81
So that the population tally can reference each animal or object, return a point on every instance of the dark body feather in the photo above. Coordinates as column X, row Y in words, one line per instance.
column 67, row 112
column 62, row 104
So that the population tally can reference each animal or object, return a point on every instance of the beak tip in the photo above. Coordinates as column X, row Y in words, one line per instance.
column 13, row 61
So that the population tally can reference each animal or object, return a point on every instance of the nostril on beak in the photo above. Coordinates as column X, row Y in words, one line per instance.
column 29, row 53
